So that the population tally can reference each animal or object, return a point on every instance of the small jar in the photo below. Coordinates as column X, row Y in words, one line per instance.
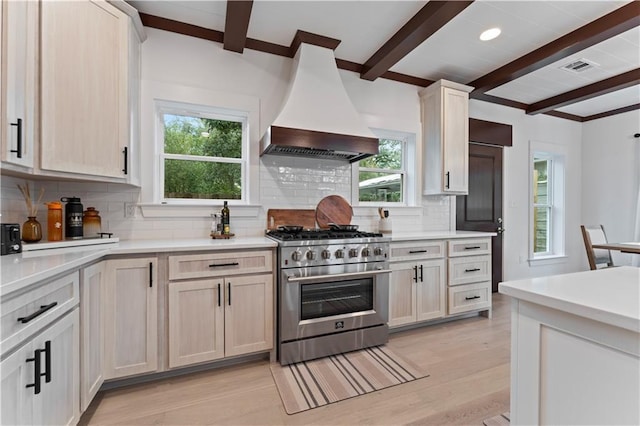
column 31, row 230
column 91, row 222
column 54, row 221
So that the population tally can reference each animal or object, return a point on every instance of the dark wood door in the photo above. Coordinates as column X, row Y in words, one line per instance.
column 481, row 209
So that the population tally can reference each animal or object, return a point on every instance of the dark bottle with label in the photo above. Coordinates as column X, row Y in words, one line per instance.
column 226, row 230
column 72, row 217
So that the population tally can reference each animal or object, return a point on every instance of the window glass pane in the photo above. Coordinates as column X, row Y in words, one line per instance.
column 541, row 182
column 541, row 229
column 202, row 136
column 202, row 179
column 380, row 186
column 389, row 156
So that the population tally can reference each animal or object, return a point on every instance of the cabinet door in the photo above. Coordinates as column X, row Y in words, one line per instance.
column 16, row 398
column 59, row 402
column 196, row 321
column 91, row 333
column 248, row 314
column 84, row 103
column 131, row 315
column 402, row 294
column 19, row 60
column 431, row 290
column 455, row 131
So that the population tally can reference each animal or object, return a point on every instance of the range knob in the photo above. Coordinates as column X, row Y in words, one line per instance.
column 326, row 254
column 366, row 252
column 339, row 254
column 296, row 256
column 311, row 255
column 353, row 253
column 377, row 251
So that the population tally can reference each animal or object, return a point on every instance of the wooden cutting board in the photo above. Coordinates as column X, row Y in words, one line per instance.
column 279, row 217
column 333, row 209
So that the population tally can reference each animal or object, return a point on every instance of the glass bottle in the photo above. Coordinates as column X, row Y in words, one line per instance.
column 31, row 230
column 54, row 221
column 91, row 222
column 226, row 229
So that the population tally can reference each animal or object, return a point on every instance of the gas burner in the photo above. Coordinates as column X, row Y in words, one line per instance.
column 319, row 234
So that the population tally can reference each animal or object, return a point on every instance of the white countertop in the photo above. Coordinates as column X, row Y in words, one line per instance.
column 23, row 269
column 437, row 235
column 611, row 295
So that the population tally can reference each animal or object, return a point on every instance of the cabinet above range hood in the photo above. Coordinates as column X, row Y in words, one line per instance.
column 317, row 118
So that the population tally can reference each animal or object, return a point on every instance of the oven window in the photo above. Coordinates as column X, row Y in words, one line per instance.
column 335, row 298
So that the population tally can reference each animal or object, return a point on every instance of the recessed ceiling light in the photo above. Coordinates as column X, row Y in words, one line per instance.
column 490, row 34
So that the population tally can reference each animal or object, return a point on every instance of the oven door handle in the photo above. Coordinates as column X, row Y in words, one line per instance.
column 295, row 278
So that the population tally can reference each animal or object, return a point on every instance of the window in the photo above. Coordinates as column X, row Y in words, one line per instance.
column 203, row 154
column 383, row 178
column 547, row 201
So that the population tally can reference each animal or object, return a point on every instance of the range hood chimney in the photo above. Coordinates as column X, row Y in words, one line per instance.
column 317, row 118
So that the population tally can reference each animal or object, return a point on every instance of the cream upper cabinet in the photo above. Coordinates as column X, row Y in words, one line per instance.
column 18, row 29
column 84, row 101
column 130, row 316
column 445, row 131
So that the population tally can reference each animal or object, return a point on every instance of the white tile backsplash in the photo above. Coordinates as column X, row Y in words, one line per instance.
column 285, row 182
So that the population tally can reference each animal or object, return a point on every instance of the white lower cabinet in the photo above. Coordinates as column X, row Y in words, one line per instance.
column 219, row 317
column 40, row 380
column 91, row 332
column 469, row 284
column 130, row 317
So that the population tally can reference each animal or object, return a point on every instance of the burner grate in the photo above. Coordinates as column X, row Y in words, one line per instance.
column 319, row 234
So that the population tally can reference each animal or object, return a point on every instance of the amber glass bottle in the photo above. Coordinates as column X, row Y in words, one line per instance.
column 54, row 221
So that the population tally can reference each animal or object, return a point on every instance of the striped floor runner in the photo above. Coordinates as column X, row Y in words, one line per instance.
column 323, row 381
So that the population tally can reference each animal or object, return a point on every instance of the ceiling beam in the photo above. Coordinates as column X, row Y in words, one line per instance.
column 236, row 24
column 178, row 27
column 618, row 82
column 433, row 16
column 610, row 25
column 612, row 112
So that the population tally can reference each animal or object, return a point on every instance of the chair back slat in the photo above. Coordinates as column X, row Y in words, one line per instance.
column 598, row 258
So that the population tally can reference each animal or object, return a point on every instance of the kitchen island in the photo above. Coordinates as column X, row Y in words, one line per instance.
column 575, row 348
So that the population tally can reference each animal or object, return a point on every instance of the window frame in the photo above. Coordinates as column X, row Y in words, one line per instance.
column 407, row 170
column 163, row 107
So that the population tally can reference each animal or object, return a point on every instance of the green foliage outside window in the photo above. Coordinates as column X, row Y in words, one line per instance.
column 379, row 179
column 192, row 176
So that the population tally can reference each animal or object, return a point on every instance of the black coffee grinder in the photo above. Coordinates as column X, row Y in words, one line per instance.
column 72, row 217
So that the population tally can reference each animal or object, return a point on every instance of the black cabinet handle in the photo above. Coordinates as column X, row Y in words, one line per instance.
column 415, row 274
column 150, row 274
column 472, row 247
column 47, row 361
column 18, row 149
column 472, row 270
column 217, row 265
column 125, row 151
column 418, row 251
column 229, row 291
column 42, row 310
column 421, row 280
column 36, row 371
column 447, row 185
column 219, row 294
column 471, row 298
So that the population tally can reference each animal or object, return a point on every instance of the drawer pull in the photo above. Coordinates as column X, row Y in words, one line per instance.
column 472, row 270
column 418, row 251
column 472, row 247
column 42, row 310
column 471, row 298
column 218, row 265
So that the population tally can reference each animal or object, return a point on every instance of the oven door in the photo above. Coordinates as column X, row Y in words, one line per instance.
column 332, row 300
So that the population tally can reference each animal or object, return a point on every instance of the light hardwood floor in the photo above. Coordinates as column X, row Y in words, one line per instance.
column 467, row 360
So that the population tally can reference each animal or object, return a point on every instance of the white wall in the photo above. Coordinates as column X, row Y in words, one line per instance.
column 611, row 178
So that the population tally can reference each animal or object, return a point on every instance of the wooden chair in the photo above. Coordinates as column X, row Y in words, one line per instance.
column 598, row 258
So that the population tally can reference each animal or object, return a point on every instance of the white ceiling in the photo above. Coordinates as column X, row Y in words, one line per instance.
column 454, row 52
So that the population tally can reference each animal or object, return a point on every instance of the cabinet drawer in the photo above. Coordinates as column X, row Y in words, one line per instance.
column 417, row 250
column 219, row 264
column 469, row 247
column 464, row 270
column 26, row 314
column 469, row 297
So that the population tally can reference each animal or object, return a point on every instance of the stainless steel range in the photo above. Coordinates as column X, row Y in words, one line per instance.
column 333, row 291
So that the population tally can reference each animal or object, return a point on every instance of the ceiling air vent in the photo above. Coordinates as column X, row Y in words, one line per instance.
column 579, row 66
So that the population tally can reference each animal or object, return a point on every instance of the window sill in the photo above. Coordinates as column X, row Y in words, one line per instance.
column 393, row 210
column 195, row 210
column 548, row 260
